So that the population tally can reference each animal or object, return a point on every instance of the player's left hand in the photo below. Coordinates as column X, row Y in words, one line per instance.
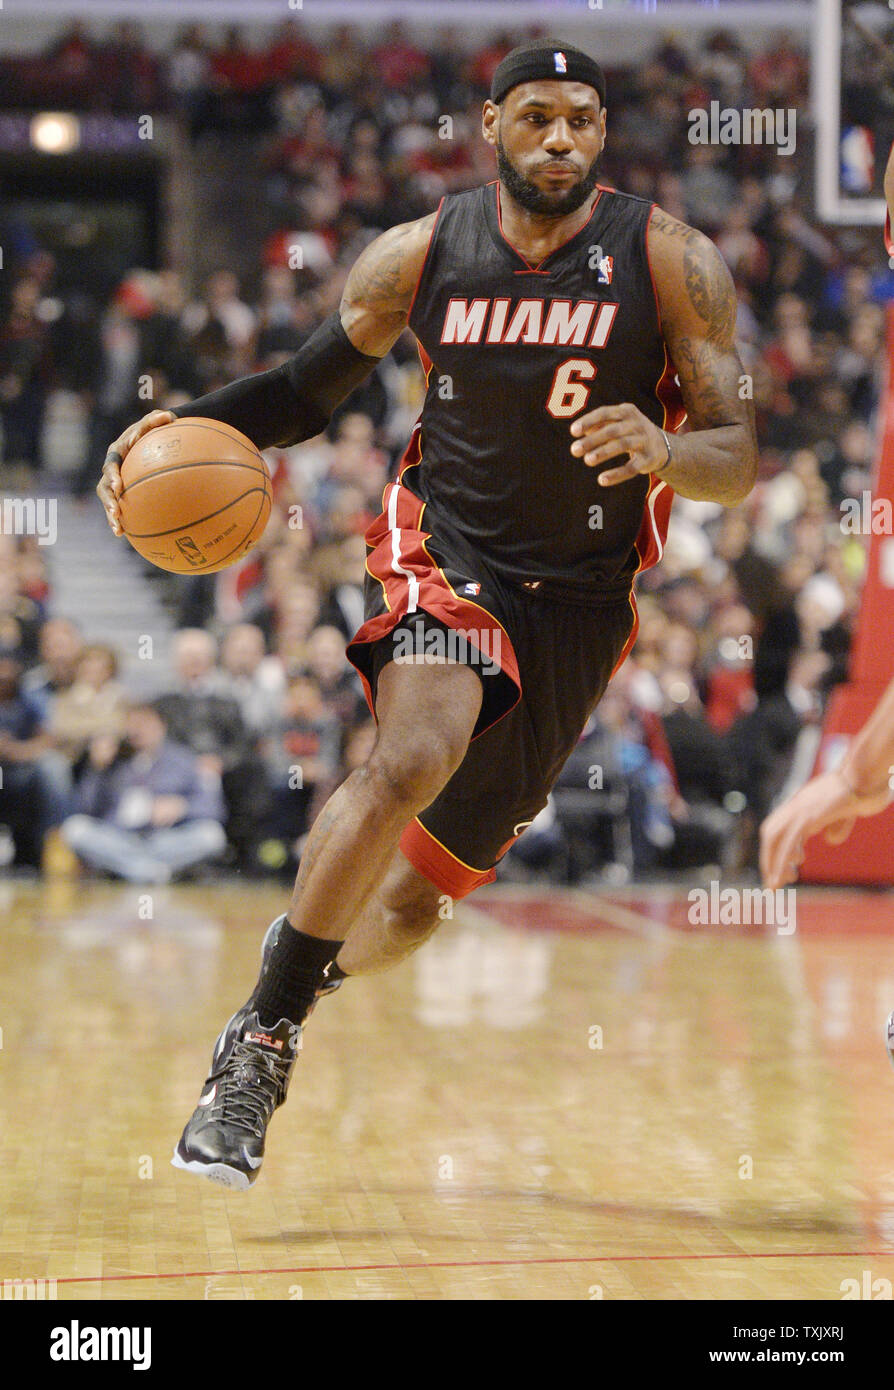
column 824, row 803
column 610, row 430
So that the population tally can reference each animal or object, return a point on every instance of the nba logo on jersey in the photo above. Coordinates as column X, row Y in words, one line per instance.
column 561, row 62
column 604, row 268
column 472, row 589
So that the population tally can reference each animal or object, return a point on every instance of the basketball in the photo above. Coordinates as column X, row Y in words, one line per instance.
column 196, row 496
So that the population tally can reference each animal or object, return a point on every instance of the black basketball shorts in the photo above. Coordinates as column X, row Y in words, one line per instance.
column 544, row 664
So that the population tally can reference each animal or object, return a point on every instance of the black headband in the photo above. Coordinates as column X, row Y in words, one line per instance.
column 546, row 59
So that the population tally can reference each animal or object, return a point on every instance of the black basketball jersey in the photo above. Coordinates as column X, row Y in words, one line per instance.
column 512, row 354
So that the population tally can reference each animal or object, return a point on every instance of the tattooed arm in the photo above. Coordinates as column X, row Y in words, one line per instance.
column 295, row 401
column 381, row 285
column 716, row 460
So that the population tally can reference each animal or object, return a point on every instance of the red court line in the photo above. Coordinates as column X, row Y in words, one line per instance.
column 478, row 1264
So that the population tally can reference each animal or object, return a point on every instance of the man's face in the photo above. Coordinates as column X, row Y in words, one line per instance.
column 548, row 137
column 60, row 646
column 145, row 729
column 193, row 657
column 243, row 651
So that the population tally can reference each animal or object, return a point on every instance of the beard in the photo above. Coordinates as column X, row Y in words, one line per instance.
column 534, row 199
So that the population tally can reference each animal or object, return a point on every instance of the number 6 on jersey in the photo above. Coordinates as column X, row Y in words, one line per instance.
column 568, row 395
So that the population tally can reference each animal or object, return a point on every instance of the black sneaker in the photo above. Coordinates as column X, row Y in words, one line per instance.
column 248, row 1080
column 249, row 1076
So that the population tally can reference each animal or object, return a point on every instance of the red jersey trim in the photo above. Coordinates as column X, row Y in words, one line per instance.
column 425, row 257
column 435, row 862
column 649, row 264
column 411, row 581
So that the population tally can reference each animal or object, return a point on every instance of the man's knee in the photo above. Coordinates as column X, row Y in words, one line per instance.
column 412, row 906
column 426, row 717
column 412, row 768
column 210, row 838
column 76, row 830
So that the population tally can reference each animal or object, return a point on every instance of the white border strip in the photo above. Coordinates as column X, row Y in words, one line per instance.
column 826, row 103
column 397, row 567
column 484, row 13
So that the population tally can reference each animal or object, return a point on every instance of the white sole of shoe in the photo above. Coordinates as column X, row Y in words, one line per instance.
column 215, row 1172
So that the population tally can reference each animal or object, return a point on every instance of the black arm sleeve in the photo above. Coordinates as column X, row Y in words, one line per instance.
column 294, row 401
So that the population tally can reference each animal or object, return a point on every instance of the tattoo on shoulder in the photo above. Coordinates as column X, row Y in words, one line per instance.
column 710, row 289
column 390, row 265
column 671, row 226
column 706, row 278
column 381, row 283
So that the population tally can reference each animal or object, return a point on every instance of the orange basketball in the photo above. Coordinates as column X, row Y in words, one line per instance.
column 196, row 496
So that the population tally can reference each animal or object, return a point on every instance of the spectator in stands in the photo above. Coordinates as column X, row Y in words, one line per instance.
column 26, row 374
column 94, row 704
column 241, row 82
column 337, row 679
column 68, row 67
column 290, row 610
column 253, row 679
column 61, row 646
column 20, row 617
column 343, row 607
column 399, row 62
column 130, row 72
column 147, row 811
column 187, row 69
column 302, row 755
column 131, row 337
column 220, row 329
column 201, row 714
column 343, row 63
column 292, row 54
column 23, row 739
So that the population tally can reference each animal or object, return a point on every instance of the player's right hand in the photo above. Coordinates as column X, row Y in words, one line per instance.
column 108, row 489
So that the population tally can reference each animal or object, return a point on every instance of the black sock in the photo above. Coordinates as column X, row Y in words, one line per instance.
column 295, row 970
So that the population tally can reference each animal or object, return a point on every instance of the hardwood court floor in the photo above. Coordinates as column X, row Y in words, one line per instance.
column 460, row 1127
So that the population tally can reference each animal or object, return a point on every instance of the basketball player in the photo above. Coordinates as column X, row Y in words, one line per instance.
column 861, row 786
column 566, row 330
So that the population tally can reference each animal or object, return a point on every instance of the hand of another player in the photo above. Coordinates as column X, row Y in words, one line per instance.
column 824, row 803
column 108, row 489
column 610, row 430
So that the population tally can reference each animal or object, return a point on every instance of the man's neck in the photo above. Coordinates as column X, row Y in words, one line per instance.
column 536, row 235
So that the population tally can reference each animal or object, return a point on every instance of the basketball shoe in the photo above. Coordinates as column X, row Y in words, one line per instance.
column 248, row 1080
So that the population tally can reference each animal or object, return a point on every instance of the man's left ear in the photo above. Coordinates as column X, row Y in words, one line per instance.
column 489, row 118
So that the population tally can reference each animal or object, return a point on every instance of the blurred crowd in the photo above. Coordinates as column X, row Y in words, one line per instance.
column 746, row 623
